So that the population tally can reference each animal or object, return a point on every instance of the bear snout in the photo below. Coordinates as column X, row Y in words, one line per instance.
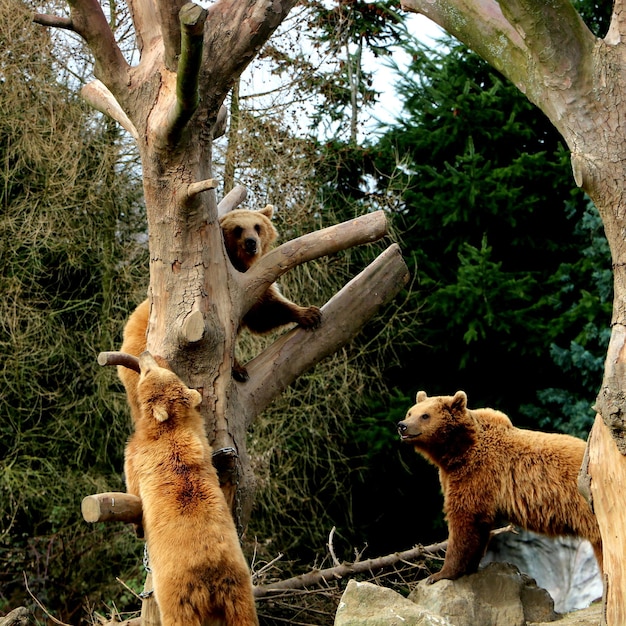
column 250, row 246
column 402, row 430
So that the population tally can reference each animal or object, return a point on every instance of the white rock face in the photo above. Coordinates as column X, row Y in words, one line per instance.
column 566, row 567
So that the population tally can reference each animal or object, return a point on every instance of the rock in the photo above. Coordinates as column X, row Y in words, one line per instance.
column 498, row 595
column 365, row 604
column 565, row 566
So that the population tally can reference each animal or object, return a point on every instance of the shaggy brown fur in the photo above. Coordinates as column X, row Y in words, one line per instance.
column 199, row 573
column 489, row 470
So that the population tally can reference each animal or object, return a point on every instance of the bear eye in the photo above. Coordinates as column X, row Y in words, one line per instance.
column 424, row 416
column 237, row 231
column 257, row 227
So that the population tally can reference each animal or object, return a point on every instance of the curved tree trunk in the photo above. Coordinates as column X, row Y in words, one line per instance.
column 579, row 82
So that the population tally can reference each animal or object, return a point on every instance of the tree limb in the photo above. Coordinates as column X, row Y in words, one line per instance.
column 170, row 18
column 481, row 26
column 556, row 36
column 91, row 24
column 261, row 275
column 192, row 20
column 232, row 200
column 54, row 21
column 534, row 43
column 119, row 358
column 343, row 316
column 617, row 29
column 235, row 31
column 146, row 23
column 100, row 98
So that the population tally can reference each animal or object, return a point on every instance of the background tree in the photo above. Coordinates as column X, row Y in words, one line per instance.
column 70, row 214
column 575, row 77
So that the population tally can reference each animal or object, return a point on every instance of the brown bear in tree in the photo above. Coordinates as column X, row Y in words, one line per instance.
column 248, row 235
column 199, row 573
column 490, row 470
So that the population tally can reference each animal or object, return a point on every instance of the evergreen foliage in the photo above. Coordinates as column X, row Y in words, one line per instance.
column 494, row 228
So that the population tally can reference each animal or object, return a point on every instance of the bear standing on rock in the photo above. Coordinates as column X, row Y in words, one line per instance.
column 490, row 470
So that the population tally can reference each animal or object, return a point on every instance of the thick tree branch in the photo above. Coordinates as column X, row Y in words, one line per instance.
column 555, row 34
column 147, row 27
column 235, row 31
column 53, row 21
column 232, row 200
column 91, row 24
column 343, row 316
column 170, row 19
column 100, row 98
column 192, row 20
column 257, row 279
column 617, row 29
column 481, row 26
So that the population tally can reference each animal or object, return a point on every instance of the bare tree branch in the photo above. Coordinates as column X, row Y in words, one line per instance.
column 343, row 316
column 556, row 36
column 348, row 569
column 147, row 26
column 91, row 24
column 261, row 275
column 232, row 200
column 53, row 21
column 235, row 31
column 119, row 358
column 170, row 19
column 100, row 98
column 480, row 25
column 532, row 42
column 342, row 570
column 617, row 29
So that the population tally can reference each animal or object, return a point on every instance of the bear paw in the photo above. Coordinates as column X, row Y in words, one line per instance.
column 310, row 318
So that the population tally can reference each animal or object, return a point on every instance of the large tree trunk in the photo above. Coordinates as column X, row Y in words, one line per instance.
column 578, row 81
column 172, row 104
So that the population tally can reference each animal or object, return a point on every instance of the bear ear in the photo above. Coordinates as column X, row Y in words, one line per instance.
column 195, row 398
column 160, row 413
column 420, row 397
column 268, row 211
column 459, row 401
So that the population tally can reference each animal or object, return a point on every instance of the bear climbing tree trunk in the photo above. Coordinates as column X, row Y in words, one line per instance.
column 171, row 102
column 578, row 81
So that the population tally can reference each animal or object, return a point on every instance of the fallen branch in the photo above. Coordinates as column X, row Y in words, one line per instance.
column 348, row 569
column 342, row 570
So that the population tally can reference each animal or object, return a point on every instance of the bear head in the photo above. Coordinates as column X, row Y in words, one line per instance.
column 438, row 427
column 248, row 235
column 162, row 395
